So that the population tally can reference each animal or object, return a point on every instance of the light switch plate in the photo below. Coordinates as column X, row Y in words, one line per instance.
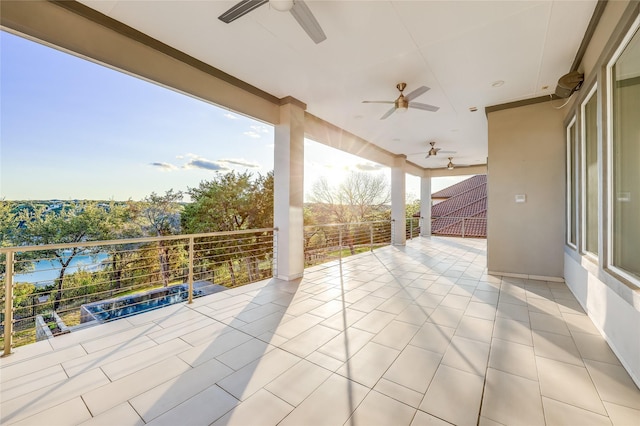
column 521, row 198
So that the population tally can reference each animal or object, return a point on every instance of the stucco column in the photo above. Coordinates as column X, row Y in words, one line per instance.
column 425, row 204
column 398, row 202
column 288, row 194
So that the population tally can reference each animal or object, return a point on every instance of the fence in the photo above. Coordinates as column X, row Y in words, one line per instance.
column 413, row 227
column 51, row 289
column 61, row 285
column 323, row 243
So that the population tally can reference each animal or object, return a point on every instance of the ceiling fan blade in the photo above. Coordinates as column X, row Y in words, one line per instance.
column 425, row 107
column 388, row 113
column 448, row 152
column 414, row 94
column 378, row 102
column 240, row 9
column 307, row 21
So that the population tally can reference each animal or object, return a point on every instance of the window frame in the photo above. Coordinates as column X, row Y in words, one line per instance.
column 572, row 224
column 610, row 197
column 583, row 175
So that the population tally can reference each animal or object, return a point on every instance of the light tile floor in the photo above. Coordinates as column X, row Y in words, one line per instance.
column 415, row 335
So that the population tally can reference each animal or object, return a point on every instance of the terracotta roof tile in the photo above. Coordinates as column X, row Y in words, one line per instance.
column 467, row 202
column 460, row 187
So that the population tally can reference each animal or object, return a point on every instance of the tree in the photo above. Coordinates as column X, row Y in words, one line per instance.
column 8, row 226
column 127, row 218
column 161, row 214
column 361, row 197
column 86, row 222
column 232, row 202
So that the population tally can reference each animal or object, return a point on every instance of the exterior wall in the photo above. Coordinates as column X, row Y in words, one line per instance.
column 612, row 303
column 613, row 307
column 526, row 156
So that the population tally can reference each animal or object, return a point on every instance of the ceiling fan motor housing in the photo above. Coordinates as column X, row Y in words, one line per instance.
column 402, row 102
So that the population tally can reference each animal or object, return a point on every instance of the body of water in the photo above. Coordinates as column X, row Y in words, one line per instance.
column 46, row 271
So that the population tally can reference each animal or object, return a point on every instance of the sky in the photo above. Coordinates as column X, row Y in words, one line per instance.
column 74, row 129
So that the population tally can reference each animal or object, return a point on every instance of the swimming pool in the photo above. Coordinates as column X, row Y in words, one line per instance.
column 112, row 309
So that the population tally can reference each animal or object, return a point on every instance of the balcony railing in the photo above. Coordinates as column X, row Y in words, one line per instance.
column 50, row 288
column 413, row 227
column 324, row 243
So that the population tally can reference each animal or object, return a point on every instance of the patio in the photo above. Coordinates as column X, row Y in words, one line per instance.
column 410, row 335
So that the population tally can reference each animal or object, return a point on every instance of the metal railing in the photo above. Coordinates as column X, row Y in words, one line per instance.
column 413, row 227
column 459, row 226
column 50, row 288
column 324, row 243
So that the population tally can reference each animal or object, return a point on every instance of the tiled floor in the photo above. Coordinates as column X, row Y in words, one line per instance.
column 415, row 335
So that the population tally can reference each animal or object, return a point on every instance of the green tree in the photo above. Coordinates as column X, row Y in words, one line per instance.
column 161, row 217
column 232, row 202
column 86, row 222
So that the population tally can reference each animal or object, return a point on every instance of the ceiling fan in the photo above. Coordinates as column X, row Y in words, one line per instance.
column 433, row 151
column 405, row 101
column 298, row 9
column 450, row 166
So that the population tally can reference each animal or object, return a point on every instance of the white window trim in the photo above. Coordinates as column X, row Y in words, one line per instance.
column 583, row 180
column 609, row 82
column 570, row 221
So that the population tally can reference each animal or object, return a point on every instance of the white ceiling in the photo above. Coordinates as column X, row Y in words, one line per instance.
column 457, row 48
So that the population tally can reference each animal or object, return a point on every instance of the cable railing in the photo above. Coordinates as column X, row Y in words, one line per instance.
column 413, row 227
column 324, row 243
column 52, row 289
column 465, row 227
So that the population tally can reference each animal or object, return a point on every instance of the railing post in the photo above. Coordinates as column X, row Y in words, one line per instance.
column 191, row 254
column 8, row 304
column 393, row 231
column 274, row 258
column 411, row 229
column 340, row 242
column 463, row 227
column 371, row 237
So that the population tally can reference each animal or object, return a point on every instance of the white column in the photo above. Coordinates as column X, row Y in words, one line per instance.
column 425, row 204
column 398, row 202
column 288, row 194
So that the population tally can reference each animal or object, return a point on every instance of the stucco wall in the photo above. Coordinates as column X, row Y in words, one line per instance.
column 611, row 303
column 526, row 156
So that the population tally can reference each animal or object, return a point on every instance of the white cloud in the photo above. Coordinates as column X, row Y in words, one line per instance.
column 368, row 167
column 240, row 162
column 203, row 163
column 257, row 131
column 260, row 128
column 166, row 167
column 231, row 116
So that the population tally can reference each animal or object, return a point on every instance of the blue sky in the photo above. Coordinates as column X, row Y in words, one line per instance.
column 73, row 129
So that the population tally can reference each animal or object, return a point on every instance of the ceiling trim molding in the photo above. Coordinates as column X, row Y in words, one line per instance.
column 520, row 103
column 588, row 34
column 117, row 26
column 293, row 101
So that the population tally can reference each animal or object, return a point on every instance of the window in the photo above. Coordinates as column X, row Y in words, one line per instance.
column 571, row 184
column 624, row 157
column 590, row 173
